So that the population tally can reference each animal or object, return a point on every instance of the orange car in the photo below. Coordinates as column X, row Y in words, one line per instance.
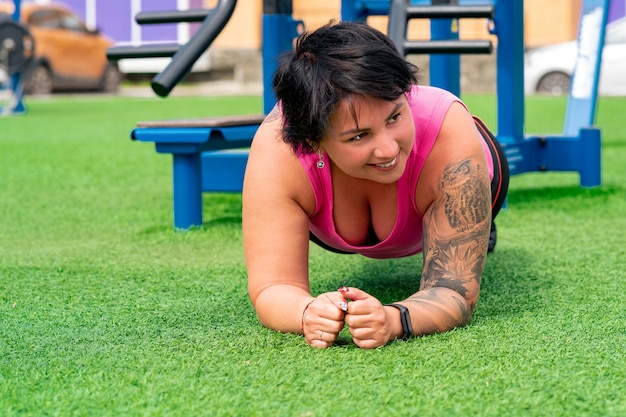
column 67, row 54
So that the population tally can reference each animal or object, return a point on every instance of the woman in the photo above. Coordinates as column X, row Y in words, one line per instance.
column 359, row 159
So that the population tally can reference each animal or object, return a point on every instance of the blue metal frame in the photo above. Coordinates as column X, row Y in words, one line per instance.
column 581, row 105
column 279, row 30
column 445, row 69
column 577, row 149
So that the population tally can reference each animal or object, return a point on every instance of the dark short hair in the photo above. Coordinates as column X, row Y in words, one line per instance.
column 331, row 64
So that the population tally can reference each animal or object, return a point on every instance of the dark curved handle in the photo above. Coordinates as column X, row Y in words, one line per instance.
column 188, row 54
column 176, row 16
column 448, row 47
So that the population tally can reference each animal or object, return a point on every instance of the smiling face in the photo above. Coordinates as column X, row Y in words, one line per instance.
column 370, row 138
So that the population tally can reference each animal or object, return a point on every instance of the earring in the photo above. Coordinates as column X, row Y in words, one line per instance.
column 320, row 162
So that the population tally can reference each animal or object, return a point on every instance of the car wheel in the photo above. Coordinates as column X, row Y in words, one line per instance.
column 554, row 83
column 39, row 82
column 110, row 79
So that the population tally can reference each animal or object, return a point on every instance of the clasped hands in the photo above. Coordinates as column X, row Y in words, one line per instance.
column 364, row 315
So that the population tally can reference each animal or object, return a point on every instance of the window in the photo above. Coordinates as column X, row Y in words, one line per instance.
column 46, row 19
column 57, row 19
column 72, row 22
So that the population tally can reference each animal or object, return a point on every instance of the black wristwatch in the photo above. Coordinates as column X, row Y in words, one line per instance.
column 405, row 319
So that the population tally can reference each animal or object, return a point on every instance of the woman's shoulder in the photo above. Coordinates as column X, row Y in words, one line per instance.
column 425, row 96
column 430, row 91
column 272, row 165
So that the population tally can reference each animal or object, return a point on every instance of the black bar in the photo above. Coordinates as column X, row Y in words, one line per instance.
column 172, row 16
column 451, row 12
column 448, row 47
column 187, row 55
column 277, row 7
column 116, row 53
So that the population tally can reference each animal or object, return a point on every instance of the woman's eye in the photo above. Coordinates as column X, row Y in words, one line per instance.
column 358, row 137
column 394, row 118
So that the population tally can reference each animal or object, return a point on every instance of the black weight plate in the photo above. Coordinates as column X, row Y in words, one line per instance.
column 17, row 44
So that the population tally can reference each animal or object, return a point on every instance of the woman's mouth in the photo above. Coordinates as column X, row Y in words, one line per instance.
column 388, row 164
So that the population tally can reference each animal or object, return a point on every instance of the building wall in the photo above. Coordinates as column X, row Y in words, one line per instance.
column 244, row 29
column 237, row 50
column 550, row 22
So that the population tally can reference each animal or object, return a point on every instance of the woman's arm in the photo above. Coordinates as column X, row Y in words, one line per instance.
column 456, row 228
column 275, row 230
column 277, row 198
column 456, row 234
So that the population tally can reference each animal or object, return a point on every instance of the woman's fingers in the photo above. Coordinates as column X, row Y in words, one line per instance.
column 366, row 318
column 323, row 320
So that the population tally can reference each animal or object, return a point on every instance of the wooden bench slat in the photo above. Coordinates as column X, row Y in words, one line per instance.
column 220, row 121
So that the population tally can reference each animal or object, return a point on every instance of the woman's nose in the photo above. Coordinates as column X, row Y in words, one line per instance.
column 386, row 147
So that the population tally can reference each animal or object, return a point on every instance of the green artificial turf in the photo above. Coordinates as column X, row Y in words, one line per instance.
column 106, row 310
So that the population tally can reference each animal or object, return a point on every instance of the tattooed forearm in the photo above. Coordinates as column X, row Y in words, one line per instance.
column 456, row 231
column 456, row 234
column 439, row 310
column 447, row 303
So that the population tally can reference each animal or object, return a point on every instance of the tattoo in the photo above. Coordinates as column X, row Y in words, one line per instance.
column 456, row 235
column 448, row 265
column 466, row 310
column 273, row 115
column 456, row 231
column 468, row 202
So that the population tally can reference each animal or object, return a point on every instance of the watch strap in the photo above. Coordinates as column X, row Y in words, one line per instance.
column 405, row 319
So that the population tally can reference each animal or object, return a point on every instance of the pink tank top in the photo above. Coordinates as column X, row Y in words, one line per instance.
column 429, row 106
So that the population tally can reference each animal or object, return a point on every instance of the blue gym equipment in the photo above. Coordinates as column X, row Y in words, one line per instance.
column 17, row 52
column 209, row 155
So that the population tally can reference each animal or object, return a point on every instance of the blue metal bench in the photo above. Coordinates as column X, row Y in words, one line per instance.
column 208, row 155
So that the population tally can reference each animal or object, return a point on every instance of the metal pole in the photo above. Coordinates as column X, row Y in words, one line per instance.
column 279, row 30
column 445, row 69
column 509, row 27
column 17, row 11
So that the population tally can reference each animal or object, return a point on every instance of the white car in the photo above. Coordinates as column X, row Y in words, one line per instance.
column 548, row 69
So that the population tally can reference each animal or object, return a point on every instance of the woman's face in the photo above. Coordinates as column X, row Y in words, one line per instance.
column 370, row 138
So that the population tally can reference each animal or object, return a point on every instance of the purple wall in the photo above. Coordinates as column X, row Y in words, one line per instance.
column 114, row 18
column 77, row 6
column 197, row 4
column 617, row 9
column 158, row 33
